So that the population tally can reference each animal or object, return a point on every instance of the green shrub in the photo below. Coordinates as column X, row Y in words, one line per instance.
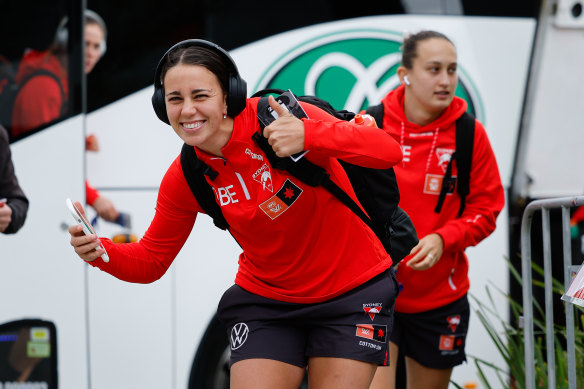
column 510, row 342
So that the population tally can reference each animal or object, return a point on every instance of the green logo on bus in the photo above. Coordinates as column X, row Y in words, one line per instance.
column 350, row 69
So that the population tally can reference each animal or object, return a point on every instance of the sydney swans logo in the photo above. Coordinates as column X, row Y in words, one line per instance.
column 351, row 70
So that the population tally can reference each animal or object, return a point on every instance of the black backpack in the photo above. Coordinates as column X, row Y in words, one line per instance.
column 465, row 129
column 9, row 89
column 376, row 189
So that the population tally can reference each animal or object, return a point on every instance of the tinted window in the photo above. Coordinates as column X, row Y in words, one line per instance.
column 41, row 58
column 140, row 32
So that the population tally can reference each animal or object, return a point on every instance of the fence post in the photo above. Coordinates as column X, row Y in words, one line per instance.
column 545, row 205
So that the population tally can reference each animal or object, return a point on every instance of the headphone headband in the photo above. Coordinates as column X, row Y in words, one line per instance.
column 62, row 34
column 194, row 42
column 237, row 88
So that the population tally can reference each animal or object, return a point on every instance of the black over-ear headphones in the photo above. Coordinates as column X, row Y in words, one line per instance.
column 237, row 87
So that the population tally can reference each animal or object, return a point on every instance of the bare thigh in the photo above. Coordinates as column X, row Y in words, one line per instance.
column 265, row 374
column 385, row 375
column 339, row 373
column 419, row 376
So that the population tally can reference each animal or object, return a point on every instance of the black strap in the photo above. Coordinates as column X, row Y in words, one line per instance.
column 463, row 156
column 340, row 194
column 45, row 72
column 306, row 171
column 464, row 149
column 310, row 174
column 195, row 170
column 266, row 91
column 447, row 184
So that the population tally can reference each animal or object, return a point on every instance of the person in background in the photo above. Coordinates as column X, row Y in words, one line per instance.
column 42, row 76
column 95, row 35
column 314, row 286
column 44, row 97
column 432, row 310
column 13, row 202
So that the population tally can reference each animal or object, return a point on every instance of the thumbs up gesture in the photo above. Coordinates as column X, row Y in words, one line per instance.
column 285, row 134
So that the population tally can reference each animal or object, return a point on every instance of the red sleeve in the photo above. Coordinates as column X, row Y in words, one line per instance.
column 484, row 202
column 91, row 194
column 148, row 259
column 361, row 145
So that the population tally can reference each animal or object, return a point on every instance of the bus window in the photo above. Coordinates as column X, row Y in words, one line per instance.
column 40, row 67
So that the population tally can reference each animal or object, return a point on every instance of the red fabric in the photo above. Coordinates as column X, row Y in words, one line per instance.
column 577, row 216
column 40, row 100
column 447, row 280
column 91, row 194
column 310, row 249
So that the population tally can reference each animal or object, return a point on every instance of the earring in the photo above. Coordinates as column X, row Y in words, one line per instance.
column 224, row 116
column 406, row 80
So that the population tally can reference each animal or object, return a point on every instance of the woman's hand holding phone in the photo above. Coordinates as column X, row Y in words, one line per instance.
column 83, row 237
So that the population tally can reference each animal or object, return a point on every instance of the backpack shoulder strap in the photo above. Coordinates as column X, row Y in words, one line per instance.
column 310, row 174
column 465, row 130
column 306, row 171
column 463, row 155
column 48, row 73
column 195, row 170
column 263, row 92
column 377, row 112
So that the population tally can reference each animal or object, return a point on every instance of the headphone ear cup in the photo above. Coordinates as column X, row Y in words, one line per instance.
column 62, row 34
column 159, row 105
column 237, row 96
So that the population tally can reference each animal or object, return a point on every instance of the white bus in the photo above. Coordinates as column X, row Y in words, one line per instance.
column 105, row 333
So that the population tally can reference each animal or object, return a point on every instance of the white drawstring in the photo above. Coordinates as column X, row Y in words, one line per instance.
column 434, row 141
column 401, row 140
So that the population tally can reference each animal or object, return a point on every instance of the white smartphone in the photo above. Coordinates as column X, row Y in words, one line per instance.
column 87, row 227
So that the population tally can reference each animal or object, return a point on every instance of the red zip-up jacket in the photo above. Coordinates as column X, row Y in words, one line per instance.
column 300, row 244
column 427, row 150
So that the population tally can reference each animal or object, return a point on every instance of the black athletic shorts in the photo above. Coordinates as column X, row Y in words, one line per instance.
column 355, row 325
column 434, row 338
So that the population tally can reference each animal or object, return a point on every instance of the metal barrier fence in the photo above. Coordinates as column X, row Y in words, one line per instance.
column 565, row 203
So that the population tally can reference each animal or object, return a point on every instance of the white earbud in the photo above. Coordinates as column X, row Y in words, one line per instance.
column 406, row 80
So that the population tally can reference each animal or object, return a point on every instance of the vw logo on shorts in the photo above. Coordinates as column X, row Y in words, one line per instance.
column 239, row 334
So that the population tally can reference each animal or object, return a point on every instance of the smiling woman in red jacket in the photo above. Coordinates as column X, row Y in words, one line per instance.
column 432, row 311
column 313, row 287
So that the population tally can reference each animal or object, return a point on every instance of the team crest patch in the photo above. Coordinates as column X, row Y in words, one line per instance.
column 374, row 332
column 264, row 176
column 444, row 156
column 453, row 322
column 372, row 309
column 282, row 200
